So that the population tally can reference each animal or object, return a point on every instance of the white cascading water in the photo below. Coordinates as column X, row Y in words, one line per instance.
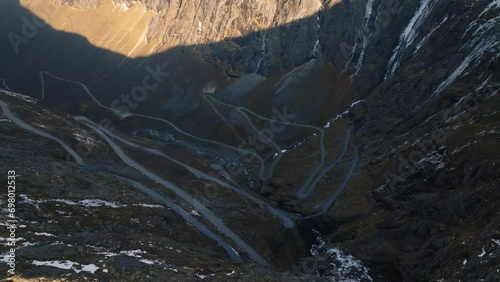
column 495, row 4
column 424, row 40
column 409, row 35
column 368, row 13
column 262, row 52
column 341, row 266
column 364, row 30
column 316, row 51
column 485, row 38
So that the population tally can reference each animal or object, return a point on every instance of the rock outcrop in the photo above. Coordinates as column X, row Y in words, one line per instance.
column 372, row 122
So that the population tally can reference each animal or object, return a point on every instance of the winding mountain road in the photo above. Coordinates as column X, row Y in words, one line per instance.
column 233, row 254
column 306, row 191
column 241, row 151
column 5, row 85
column 328, row 204
column 218, row 223
column 23, row 125
column 287, row 222
column 245, row 111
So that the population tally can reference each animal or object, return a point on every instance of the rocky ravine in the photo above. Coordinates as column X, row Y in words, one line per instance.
column 392, row 118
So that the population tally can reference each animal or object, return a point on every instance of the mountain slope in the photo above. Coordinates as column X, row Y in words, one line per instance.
column 372, row 122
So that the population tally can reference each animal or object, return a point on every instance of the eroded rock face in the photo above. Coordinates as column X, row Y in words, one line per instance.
column 168, row 24
column 405, row 93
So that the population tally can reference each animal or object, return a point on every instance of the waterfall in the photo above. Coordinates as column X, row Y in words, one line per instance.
column 341, row 266
column 361, row 55
column 316, row 51
column 494, row 4
column 481, row 41
column 409, row 35
column 352, row 56
column 476, row 53
column 424, row 40
column 482, row 29
column 262, row 52
column 366, row 37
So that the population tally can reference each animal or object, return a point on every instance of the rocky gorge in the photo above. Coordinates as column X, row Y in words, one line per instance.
column 234, row 140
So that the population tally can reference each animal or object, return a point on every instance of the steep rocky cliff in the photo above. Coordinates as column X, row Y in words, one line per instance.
column 374, row 123
column 142, row 28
